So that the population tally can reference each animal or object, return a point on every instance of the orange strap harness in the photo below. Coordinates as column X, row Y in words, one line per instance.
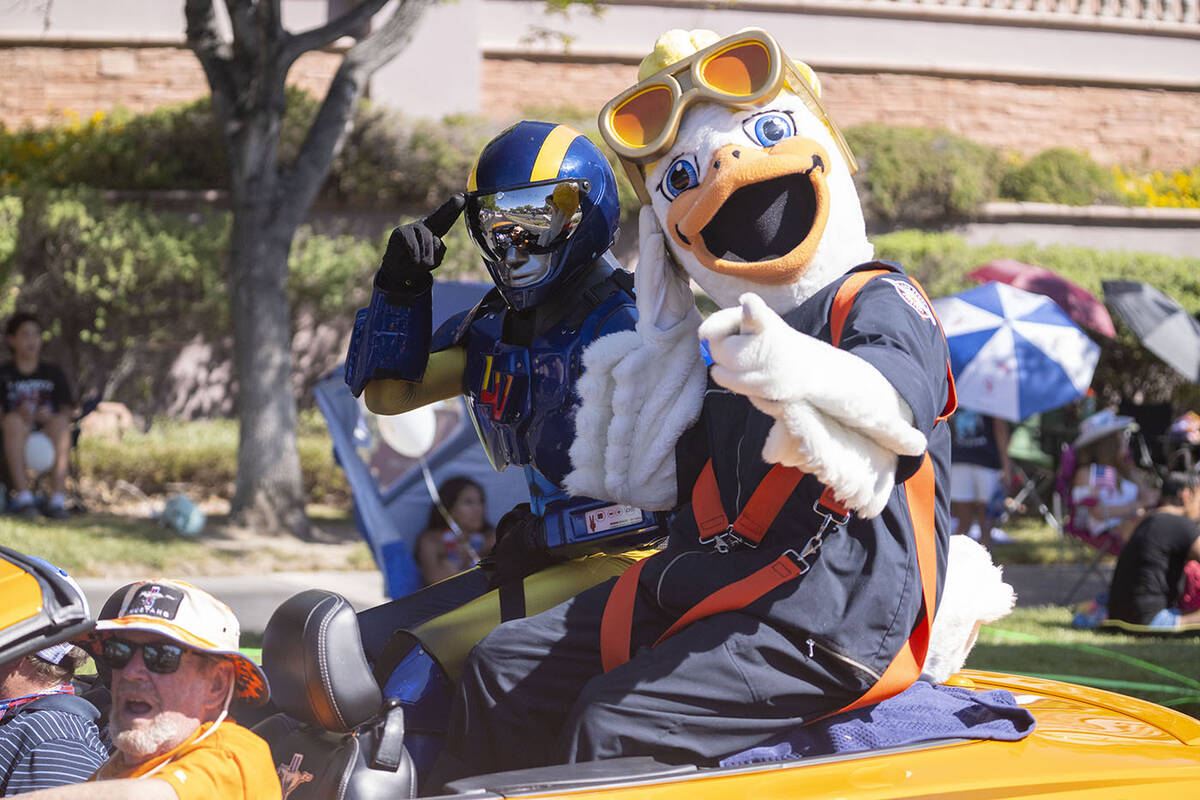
column 752, row 524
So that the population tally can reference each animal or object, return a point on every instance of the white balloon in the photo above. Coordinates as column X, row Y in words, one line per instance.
column 410, row 434
column 39, row 452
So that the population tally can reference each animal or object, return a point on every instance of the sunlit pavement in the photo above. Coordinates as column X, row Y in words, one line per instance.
column 254, row 597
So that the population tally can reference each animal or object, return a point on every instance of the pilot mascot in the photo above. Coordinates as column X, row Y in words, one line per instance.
column 541, row 206
column 798, row 434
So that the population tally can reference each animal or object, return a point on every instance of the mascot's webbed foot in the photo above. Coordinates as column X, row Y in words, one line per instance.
column 974, row 594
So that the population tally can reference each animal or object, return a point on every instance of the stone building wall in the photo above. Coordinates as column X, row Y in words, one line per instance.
column 1127, row 126
column 1116, row 125
column 41, row 83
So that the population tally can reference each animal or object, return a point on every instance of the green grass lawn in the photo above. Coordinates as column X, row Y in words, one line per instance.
column 103, row 545
column 100, row 544
column 1040, row 642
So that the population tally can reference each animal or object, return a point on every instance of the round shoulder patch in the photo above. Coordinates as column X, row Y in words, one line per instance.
column 913, row 297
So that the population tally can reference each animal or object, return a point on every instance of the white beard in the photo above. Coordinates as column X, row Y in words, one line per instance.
column 164, row 732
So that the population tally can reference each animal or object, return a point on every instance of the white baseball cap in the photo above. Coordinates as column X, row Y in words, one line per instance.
column 193, row 618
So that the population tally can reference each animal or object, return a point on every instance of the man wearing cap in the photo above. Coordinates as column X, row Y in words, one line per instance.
column 173, row 652
column 48, row 736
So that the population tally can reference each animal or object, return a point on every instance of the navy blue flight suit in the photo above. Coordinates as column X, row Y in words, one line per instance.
column 534, row 692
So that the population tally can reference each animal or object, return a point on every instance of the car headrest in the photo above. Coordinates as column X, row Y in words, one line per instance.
column 314, row 661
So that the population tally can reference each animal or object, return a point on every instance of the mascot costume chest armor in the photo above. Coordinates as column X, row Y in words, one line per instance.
column 798, row 435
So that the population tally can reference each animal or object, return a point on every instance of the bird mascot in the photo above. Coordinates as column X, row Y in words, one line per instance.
column 797, row 435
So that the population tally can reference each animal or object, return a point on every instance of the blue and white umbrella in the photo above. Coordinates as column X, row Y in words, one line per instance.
column 1014, row 353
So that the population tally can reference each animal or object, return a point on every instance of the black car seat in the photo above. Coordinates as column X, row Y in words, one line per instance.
column 335, row 738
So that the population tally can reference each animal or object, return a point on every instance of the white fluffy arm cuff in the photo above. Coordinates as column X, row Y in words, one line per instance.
column 640, row 390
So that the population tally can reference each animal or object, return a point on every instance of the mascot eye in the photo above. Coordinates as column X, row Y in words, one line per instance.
column 681, row 175
column 770, row 127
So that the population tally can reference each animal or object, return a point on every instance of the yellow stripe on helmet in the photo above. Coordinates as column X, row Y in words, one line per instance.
column 472, row 185
column 553, row 151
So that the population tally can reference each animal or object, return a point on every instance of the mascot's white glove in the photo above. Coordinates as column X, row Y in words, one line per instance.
column 664, row 293
column 836, row 415
column 640, row 389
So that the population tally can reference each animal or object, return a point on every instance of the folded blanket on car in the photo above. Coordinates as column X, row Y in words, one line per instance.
column 920, row 713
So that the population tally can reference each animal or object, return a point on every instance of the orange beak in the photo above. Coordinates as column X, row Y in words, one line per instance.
column 759, row 214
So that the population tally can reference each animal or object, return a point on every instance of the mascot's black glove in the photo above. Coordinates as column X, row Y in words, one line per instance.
column 520, row 548
column 413, row 251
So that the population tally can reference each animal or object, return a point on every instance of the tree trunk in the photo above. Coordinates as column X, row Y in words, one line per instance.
column 270, row 489
column 246, row 75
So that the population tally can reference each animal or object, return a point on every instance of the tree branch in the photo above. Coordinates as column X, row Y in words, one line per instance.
column 215, row 53
column 386, row 42
column 270, row 19
column 335, row 117
column 331, row 31
column 299, row 186
column 246, row 42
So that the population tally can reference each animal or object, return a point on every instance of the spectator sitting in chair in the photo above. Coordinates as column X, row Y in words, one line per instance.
column 1108, row 492
column 176, row 668
column 444, row 549
column 1146, row 582
column 34, row 395
column 48, row 736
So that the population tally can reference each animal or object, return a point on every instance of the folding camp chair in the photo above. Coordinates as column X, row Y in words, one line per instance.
column 1033, row 470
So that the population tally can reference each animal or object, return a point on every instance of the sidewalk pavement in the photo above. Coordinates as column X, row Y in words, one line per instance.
column 1048, row 584
column 254, row 597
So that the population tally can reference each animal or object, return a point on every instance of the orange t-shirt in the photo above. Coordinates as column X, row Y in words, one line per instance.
column 231, row 763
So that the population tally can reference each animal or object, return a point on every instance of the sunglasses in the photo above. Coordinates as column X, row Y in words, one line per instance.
column 157, row 656
column 536, row 218
column 743, row 70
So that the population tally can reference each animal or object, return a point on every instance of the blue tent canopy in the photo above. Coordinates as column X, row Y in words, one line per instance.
column 391, row 501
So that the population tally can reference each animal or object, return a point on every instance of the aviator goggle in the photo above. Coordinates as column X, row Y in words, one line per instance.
column 742, row 70
column 535, row 218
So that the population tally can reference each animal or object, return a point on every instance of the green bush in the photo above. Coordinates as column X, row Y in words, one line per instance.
column 389, row 160
column 177, row 147
column 913, row 175
column 386, row 159
column 113, row 282
column 203, row 453
column 1060, row 175
column 122, row 289
column 941, row 261
column 909, row 175
column 330, row 276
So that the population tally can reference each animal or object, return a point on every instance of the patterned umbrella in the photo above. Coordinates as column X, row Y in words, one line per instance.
column 1080, row 304
column 1014, row 353
column 1163, row 326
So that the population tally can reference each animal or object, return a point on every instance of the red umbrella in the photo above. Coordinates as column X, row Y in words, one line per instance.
column 1079, row 304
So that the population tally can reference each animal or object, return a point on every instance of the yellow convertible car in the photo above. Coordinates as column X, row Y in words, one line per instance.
column 1087, row 744
column 335, row 735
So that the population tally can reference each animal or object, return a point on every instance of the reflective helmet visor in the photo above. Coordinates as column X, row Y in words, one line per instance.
column 536, row 218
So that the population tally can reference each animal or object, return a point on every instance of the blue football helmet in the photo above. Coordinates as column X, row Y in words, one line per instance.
column 541, row 206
